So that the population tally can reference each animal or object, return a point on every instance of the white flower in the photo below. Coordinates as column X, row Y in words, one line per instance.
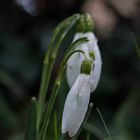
column 82, row 75
column 74, row 62
column 76, row 105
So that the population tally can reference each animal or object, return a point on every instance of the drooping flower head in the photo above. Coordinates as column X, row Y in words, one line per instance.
column 83, row 73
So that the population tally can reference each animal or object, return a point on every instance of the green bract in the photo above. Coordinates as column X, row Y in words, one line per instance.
column 85, row 24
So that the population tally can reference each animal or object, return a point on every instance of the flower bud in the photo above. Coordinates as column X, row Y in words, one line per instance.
column 85, row 24
column 81, row 24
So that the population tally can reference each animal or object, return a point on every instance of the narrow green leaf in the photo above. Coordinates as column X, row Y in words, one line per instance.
column 136, row 44
column 94, row 130
column 54, row 94
column 58, row 34
column 31, row 126
column 88, row 136
column 103, row 121
column 76, row 43
column 55, row 127
column 65, row 27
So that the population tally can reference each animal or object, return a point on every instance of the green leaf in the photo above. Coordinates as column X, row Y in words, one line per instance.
column 136, row 45
column 78, row 42
column 103, row 121
column 59, row 34
column 88, row 136
column 31, row 126
column 55, row 127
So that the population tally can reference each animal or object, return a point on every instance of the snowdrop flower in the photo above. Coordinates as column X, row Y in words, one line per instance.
column 92, row 52
column 83, row 73
column 77, row 101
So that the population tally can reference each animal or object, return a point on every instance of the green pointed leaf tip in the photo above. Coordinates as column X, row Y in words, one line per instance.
column 31, row 126
column 56, row 137
column 85, row 23
column 68, row 22
column 86, row 66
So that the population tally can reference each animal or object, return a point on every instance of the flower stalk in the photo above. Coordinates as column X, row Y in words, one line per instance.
column 51, row 102
column 50, row 57
column 83, row 74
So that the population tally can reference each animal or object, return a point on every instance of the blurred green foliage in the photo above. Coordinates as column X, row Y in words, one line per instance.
column 23, row 40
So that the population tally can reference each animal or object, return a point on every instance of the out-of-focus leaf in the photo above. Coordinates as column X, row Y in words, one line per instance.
column 55, row 127
column 127, row 118
column 136, row 45
column 9, row 122
column 17, row 136
column 31, row 126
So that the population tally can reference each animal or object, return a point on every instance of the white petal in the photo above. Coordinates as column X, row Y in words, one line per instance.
column 95, row 75
column 74, row 64
column 76, row 105
column 73, row 68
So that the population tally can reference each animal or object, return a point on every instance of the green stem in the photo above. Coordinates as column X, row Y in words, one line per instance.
column 68, row 53
column 42, row 86
column 94, row 130
column 31, row 126
column 50, row 57
column 136, row 44
column 55, row 127
column 101, row 116
column 88, row 136
column 49, row 61
column 57, row 83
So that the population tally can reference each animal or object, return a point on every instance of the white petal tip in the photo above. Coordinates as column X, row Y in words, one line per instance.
column 63, row 129
column 71, row 134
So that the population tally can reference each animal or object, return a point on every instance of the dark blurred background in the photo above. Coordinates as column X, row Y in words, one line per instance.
column 25, row 29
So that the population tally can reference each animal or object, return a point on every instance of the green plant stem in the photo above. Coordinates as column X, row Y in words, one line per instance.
column 68, row 53
column 50, row 57
column 94, row 130
column 31, row 126
column 55, row 127
column 136, row 44
column 54, row 94
column 88, row 136
column 101, row 116
column 55, row 89
column 57, row 84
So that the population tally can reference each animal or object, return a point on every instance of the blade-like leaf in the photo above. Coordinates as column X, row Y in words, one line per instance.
column 31, row 126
